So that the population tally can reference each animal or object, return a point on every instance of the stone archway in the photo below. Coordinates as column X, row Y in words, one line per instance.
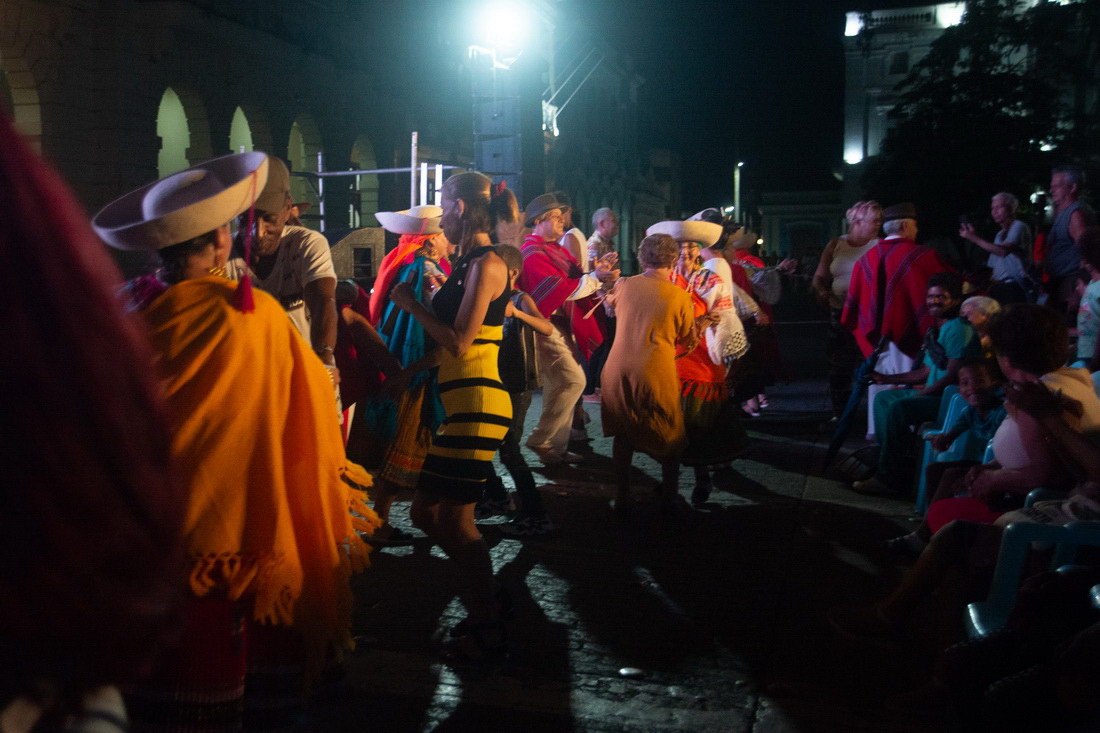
column 303, row 146
column 174, row 133
column 365, row 187
column 249, row 130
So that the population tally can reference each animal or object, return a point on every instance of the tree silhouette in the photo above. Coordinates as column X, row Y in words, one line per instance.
column 998, row 100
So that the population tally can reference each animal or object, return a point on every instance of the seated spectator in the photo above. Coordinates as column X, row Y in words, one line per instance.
column 1088, row 314
column 946, row 344
column 977, row 310
column 977, row 424
column 1058, row 410
column 1031, row 344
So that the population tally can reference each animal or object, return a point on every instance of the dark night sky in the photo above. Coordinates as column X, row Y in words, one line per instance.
column 737, row 79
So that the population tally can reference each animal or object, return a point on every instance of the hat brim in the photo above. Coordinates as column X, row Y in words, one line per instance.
column 704, row 233
column 123, row 225
column 398, row 223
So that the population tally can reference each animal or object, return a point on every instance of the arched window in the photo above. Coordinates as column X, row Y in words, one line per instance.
column 365, row 187
column 174, row 134
column 240, row 133
column 302, row 149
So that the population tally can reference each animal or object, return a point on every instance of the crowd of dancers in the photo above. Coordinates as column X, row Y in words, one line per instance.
column 186, row 500
column 201, row 501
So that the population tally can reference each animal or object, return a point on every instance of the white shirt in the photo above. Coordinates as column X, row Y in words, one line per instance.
column 302, row 257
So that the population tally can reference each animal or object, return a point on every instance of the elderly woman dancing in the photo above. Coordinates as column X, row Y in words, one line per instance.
column 641, row 397
column 714, row 431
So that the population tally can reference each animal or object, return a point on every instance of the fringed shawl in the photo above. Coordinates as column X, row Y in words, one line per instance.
column 271, row 509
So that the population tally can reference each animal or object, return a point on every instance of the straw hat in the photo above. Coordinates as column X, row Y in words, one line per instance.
column 183, row 205
column 703, row 232
column 744, row 239
column 276, row 194
column 416, row 220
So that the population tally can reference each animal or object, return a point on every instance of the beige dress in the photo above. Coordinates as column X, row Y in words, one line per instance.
column 639, row 386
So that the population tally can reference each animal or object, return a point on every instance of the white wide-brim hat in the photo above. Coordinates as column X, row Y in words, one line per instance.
column 415, row 220
column 744, row 239
column 183, row 205
column 704, row 232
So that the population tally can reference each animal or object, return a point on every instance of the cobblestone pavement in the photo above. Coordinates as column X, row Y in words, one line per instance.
column 722, row 611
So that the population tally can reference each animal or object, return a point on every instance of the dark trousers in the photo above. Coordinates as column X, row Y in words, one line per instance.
column 896, row 411
column 530, row 500
column 844, row 357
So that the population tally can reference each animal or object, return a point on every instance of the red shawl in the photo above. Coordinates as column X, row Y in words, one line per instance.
column 391, row 264
column 905, row 318
column 589, row 332
column 550, row 274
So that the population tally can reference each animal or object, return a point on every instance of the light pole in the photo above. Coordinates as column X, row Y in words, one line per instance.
column 737, row 192
column 500, row 29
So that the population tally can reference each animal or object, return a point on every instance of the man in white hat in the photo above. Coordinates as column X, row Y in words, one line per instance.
column 291, row 263
column 551, row 276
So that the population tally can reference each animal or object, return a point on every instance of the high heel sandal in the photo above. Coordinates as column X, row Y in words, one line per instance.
column 482, row 643
column 506, row 611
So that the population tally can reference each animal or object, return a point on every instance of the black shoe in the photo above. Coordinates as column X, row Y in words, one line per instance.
column 699, row 495
column 396, row 538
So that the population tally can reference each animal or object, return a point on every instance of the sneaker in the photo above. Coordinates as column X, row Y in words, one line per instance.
column 492, row 508
column 873, row 486
column 910, row 545
column 528, row 526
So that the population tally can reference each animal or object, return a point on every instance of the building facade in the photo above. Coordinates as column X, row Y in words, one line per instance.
column 118, row 92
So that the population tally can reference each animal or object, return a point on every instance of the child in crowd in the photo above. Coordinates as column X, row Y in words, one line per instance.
column 984, row 412
column 1088, row 314
column 519, row 373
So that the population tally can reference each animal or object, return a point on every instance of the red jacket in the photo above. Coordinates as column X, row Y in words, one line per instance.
column 905, row 318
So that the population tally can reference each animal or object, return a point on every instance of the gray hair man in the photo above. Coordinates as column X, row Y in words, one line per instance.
column 1009, row 281
column 605, row 225
column 1063, row 256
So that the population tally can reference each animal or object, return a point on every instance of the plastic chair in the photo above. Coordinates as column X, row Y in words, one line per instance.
column 985, row 617
column 950, row 406
column 1041, row 494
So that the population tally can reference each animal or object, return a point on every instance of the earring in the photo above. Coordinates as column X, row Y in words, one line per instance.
column 218, row 270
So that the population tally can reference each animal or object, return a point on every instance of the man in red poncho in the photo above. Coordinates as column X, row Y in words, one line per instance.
column 551, row 276
column 903, row 267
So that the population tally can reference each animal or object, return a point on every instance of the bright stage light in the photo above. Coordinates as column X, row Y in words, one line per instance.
column 504, row 26
column 853, row 24
column 950, row 14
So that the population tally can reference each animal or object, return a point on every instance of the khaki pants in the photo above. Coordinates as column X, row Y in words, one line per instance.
column 562, row 385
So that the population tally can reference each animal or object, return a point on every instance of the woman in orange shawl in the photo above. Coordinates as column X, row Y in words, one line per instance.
column 269, row 528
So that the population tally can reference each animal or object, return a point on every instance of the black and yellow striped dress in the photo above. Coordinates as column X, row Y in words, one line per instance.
column 479, row 410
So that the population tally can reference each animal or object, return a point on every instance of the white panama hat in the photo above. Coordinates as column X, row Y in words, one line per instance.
column 414, row 220
column 183, row 205
column 703, row 232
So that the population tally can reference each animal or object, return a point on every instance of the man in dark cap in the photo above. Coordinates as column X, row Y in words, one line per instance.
column 886, row 296
column 551, row 276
